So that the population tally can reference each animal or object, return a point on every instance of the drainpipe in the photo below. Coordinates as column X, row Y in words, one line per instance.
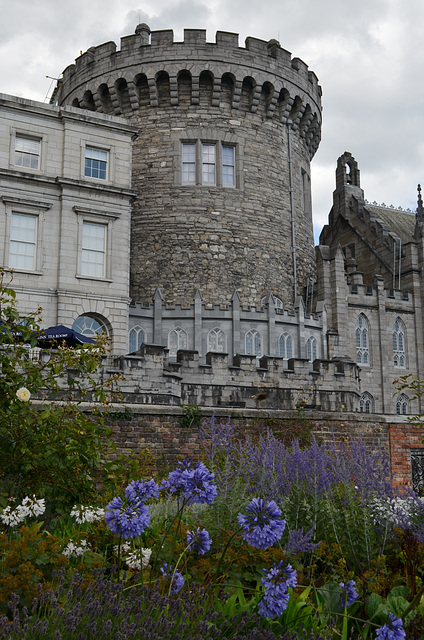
column 293, row 238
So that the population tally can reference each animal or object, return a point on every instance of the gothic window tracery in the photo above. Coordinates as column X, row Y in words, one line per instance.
column 217, row 340
column 311, row 349
column 402, row 405
column 366, row 403
column 177, row 339
column 362, row 340
column 399, row 355
column 285, row 346
column 253, row 343
column 136, row 338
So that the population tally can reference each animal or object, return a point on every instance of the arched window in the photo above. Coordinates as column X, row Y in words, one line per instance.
column 253, row 342
column 177, row 339
column 217, row 340
column 136, row 338
column 362, row 340
column 366, row 403
column 278, row 303
column 402, row 405
column 285, row 346
column 89, row 326
column 399, row 357
column 311, row 349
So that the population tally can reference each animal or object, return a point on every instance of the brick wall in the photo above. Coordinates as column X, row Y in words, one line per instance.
column 403, row 438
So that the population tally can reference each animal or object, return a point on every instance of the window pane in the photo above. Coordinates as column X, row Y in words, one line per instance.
column 23, row 234
column 228, row 166
column 95, row 163
column 27, row 152
column 189, row 163
column 93, row 249
column 208, row 164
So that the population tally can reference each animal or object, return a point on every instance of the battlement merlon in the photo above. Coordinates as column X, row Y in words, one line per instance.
column 160, row 47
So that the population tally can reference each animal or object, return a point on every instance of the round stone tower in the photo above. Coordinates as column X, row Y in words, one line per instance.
column 221, row 162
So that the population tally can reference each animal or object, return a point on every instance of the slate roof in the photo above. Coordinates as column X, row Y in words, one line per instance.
column 401, row 223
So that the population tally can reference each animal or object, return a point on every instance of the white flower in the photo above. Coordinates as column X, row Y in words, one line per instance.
column 23, row 394
column 30, row 507
column 87, row 514
column 125, row 547
column 74, row 551
column 11, row 518
column 33, row 506
column 134, row 561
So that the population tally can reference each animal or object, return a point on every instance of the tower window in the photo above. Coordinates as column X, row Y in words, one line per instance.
column 208, row 163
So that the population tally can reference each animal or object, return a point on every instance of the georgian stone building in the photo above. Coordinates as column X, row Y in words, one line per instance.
column 65, row 214
column 164, row 198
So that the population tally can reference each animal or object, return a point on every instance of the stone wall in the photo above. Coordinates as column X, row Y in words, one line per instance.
column 211, row 236
column 158, row 430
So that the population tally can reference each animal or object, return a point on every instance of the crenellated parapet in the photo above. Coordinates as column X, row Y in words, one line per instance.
column 152, row 70
column 238, row 381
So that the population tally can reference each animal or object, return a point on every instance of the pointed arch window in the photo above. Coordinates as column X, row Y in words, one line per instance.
column 217, row 340
column 253, row 342
column 285, row 346
column 177, row 339
column 311, row 349
column 366, row 403
column 402, row 405
column 399, row 355
column 362, row 340
column 136, row 338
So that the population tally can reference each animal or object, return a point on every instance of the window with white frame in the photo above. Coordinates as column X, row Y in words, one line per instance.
column 228, row 166
column 253, row 343
column 177, row 339
column 136, row 338
column 217, row 340
column 95, row 163
column 311, row 349
column 366, row 403
column 208, row 163
column 399, row 359
column 27, row 152
column 402, row 405
column 93, row 249
column 189, row 163
column 23, row 241
column 362, row 340
column 285, row 346
column 89, row 326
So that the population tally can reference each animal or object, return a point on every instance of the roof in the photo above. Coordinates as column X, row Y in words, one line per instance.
column 399, row 222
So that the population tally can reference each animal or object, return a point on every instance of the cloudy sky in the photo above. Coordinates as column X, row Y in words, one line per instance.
column 367, row 54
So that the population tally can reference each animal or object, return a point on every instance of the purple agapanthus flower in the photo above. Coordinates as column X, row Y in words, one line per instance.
column 349, row 593
column 177, row 578
column 193, row 482
column 263, row 525
column 393, row 630
column 141, row 490
column 127, row 518
column 276, row 583
column 199, row 540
